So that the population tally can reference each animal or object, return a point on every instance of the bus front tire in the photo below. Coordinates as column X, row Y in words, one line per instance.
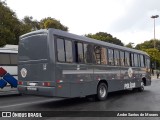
column 102, row 92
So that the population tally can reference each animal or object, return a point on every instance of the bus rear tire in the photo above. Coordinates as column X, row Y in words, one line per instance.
column 102, row 92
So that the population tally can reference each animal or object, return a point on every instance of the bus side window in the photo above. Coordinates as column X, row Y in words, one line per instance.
column 127, row 59
column 138, row 60
column 97, row 54
column 87, row 53
column 104, row 56
column 148, row 63
column 110, row 57
column 116, row 57
column 64, row 50
column 13, row 58
column 131, row 60
column 79, row 52
column 60, row 50
column 135, row 60
column 121, row 58
column 5, row 59
column 68, row 51
column 142, row 60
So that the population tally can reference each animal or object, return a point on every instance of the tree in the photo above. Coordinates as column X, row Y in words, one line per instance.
column 103, row 36
column 52, row 23
column 11, row 27
column 153, row 53
column 148, row 44
column 31, row 24
column 8, row 22
column 129, row 45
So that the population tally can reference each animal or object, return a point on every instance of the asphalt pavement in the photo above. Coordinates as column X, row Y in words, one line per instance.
column 8, row 91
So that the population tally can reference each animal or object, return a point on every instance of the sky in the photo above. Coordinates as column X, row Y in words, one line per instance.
column 127, row 20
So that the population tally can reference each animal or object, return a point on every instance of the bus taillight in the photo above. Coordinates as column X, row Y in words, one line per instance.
column 20, row 83
column 59, row 81
column 46, row 84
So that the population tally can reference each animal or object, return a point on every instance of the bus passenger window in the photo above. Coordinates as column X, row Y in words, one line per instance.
column 139, row 61
column 127, row 59
column 5, row 60
column 13, row 58
column 87, row 53
column 142, row 60
column 122, row 58
column 68, row 50
column 116, row 57
column 131, row 60
column 135, row 60
column 110, row 57
column 60, row 50
column 147, row 63
column 80, row 53
column 97, row 54
column 104, row 56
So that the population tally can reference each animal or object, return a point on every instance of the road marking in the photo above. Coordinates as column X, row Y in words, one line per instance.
column 37, row 102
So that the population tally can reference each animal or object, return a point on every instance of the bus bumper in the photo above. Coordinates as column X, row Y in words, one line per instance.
column 148, row 82
column 37, row 90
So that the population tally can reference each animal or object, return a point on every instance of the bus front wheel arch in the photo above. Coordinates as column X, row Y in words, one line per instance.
column 144, row 81
column 102, row 91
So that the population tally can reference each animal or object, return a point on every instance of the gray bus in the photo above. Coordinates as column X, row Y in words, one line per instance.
column 60, row 64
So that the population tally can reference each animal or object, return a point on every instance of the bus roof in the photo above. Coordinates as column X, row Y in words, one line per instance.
column 9, row 49
column 82, row 38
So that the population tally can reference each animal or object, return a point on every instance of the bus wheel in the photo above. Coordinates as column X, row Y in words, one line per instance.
column 141, row 89
column 102, row 91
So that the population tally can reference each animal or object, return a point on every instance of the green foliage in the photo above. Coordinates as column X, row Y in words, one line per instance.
column 30, row 24
column 8, row 25
column 103, row 36
column 149, row 44
column 153, row 53
column 129, row 45
column 11, row 27
column 52, row 23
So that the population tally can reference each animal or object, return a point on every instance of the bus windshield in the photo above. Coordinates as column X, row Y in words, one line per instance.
column 33, row 47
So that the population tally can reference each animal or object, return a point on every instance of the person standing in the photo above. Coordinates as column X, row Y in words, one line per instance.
column 157, row 74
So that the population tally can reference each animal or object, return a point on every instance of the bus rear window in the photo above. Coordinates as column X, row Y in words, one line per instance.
column 33, row 48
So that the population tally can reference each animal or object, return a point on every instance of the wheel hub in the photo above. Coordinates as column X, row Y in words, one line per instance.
column 102, row 91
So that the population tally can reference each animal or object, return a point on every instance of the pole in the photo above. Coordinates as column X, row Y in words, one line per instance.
column 154, row 44
column 154, row 35
column 154, row 17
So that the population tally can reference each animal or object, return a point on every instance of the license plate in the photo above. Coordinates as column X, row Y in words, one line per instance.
column 32, row 88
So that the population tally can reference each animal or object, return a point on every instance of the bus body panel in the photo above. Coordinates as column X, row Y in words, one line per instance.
column 36, row 90
column 74, row 82
column 35, row 72
column 35, row 63
column 11, row 70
